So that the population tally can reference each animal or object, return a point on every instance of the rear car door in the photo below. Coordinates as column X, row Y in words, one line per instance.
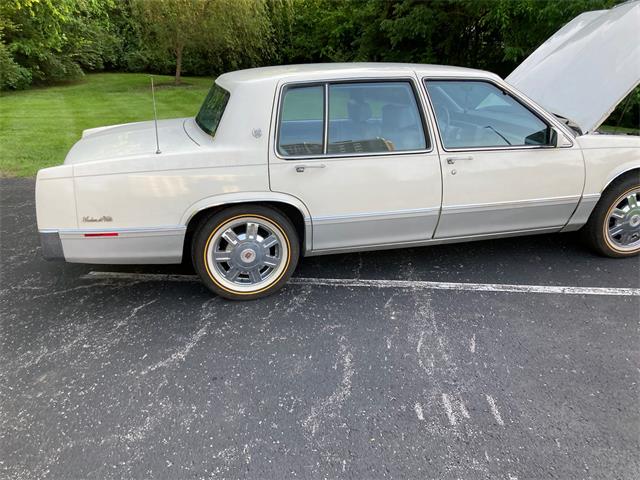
column 502, row 170
column 359, row 155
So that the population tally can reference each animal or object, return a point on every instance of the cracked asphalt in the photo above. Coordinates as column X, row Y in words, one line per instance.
column 134, row 378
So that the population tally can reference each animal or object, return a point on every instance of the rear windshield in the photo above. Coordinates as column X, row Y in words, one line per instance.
column 212, row 109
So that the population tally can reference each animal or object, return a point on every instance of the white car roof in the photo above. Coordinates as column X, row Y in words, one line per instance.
column 304, row 72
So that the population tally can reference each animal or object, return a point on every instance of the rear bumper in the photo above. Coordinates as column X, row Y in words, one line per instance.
column 51, row 246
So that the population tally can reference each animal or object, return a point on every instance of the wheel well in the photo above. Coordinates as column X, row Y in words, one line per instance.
column 629, row 173
column 291, row 212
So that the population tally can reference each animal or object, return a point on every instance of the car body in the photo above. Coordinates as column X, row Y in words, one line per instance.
column 354, row 157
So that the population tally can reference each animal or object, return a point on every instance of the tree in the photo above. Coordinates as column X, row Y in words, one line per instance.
column 230, row 33
column 175, row 25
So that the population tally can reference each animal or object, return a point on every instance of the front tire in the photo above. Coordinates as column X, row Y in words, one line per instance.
column 613, row 229
column 245, row 252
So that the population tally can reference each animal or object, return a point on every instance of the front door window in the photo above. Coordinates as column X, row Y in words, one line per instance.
column 477, row 114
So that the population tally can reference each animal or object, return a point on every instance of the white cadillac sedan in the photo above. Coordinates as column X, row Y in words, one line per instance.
column 282, row 162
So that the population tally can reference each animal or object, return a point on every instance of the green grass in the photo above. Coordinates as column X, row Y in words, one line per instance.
column 620, row 130
column 39, row 126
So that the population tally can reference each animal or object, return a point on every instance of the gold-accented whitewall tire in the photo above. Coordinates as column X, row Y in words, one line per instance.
column 245, row 252
column 613, row 228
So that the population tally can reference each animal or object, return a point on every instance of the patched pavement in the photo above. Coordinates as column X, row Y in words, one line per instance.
column 140, row 377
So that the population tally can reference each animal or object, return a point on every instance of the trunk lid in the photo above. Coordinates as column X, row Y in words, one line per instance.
column 130, row 140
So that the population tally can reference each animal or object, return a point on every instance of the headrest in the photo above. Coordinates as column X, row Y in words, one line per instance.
column 358, row 111
column 396, row 116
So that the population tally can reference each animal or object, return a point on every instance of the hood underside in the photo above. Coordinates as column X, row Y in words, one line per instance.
column 587, row 67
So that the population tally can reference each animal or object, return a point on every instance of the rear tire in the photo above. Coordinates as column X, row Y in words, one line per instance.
column 245, row 252
column 613, row 228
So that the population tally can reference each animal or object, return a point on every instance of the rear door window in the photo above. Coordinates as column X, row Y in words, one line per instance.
column 373, row 118
column 302, row 121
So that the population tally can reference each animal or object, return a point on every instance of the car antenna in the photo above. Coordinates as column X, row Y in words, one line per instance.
column 155, row 114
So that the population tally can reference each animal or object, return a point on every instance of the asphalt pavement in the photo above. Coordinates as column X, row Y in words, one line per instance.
column 145, row 374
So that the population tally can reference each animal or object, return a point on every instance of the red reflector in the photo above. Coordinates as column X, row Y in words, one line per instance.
column 105, row 234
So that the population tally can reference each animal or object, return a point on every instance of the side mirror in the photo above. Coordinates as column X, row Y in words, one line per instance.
column 554, row 138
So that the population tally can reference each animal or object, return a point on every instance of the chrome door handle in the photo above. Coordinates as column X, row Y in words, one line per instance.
column 452, row 160
column 302, row 168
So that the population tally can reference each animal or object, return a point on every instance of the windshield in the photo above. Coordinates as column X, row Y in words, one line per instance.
column 212, row 109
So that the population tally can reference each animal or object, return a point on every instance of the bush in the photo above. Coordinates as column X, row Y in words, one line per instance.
column 12, row 75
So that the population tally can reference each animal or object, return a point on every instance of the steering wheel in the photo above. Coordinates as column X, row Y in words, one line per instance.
column 443, row 117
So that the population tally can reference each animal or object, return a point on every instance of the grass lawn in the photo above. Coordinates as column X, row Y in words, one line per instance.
column 39, row 126
column 619, row 130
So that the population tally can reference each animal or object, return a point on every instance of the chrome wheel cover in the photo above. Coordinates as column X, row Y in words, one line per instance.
column 247, row 254
column 623, row 222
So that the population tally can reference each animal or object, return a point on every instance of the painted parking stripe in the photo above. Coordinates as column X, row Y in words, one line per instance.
column 404, row 284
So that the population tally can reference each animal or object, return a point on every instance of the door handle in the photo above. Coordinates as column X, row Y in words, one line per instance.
column 302, row 168
column 452, row 160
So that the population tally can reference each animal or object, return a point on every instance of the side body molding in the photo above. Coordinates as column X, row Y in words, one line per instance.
column 249, row 197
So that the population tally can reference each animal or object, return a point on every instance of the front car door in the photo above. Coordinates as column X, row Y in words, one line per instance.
column 501, row 172
column 359, row 155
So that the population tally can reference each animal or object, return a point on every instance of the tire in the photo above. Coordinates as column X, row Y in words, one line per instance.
column 613, row 229
column 245, row 252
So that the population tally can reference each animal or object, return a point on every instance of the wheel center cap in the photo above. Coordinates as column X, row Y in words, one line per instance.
column 634, row 221
column 247, row 255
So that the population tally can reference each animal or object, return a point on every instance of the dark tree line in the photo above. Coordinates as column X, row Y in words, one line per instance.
column 49, row 41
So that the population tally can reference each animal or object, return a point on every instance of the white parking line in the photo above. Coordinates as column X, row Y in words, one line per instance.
column 408, row 284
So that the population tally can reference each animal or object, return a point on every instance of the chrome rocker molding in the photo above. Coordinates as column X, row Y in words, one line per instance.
column 582, row 212
column 489, row 218
column 349, row 233
column 154, row 245
column 437, row 241
column 360, row 229
column 332, row 234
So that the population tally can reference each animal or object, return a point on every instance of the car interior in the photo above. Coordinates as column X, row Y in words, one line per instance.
column 362, row 118
column 478, row 114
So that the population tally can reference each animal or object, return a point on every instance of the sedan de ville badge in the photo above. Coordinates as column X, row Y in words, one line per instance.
column 90, row 219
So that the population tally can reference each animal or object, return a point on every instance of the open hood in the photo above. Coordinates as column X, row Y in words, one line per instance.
column 587, row 67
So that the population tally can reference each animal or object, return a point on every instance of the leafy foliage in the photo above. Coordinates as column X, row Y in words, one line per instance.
column 55, row 40
column 48, row 41
column 490, row 34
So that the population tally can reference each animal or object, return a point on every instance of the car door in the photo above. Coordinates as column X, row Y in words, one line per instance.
column 359, row 155
column 505, row 167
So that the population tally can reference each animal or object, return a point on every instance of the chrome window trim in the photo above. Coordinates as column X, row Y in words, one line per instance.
column 538, row 112
column 327, row 82
column 325, row 121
